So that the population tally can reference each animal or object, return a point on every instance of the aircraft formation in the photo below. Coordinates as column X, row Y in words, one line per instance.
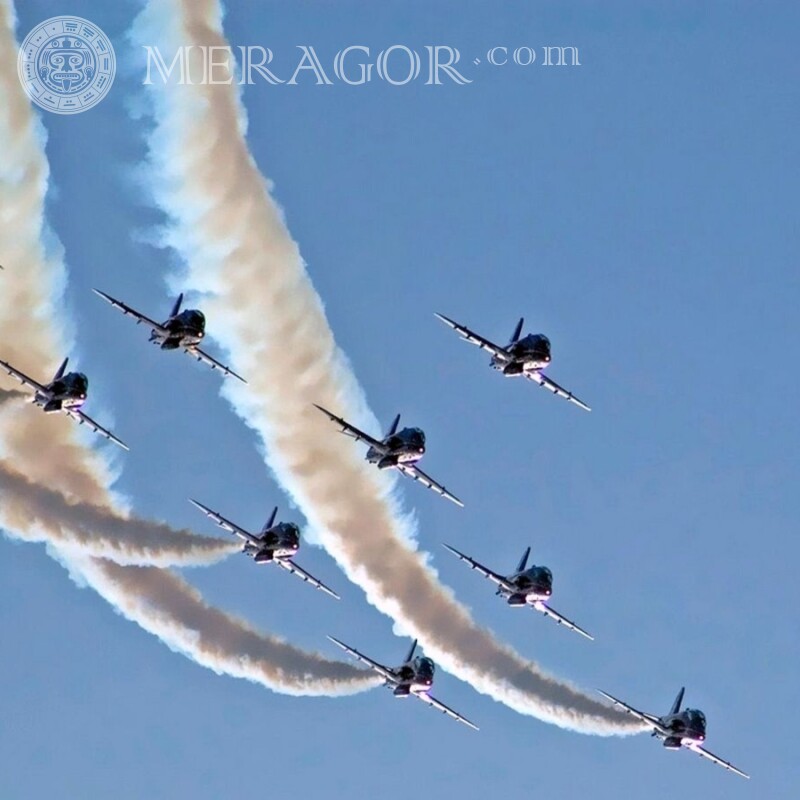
column 401, row 450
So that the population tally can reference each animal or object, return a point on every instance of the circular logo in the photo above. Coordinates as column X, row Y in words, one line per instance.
column 66, row 65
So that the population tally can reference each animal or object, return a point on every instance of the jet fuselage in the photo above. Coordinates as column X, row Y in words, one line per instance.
column 528, row 354
column 686, row 728
column 64, row 393
column 279, row 542
column 414, row 677
column 405, row 447
column 186, row 329
column 533, row 585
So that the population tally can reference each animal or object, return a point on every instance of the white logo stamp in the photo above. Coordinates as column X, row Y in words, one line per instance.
column 66, row 65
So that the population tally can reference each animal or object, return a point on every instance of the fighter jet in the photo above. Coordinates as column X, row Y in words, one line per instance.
column 184, row 330
column 413, row 678
column 527, row 356
column 397, row 450
column 275, row 544
column 67, row 393
column 528, row 586
column 678, row 729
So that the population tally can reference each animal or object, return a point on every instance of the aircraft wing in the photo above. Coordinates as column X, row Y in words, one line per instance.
column 82, row 418
column 485, row 571
column 201, row 355
column 439, row 706
column 127, row 310
column 351, row 430
column 290, row 566
column 548, row 383
column 384, row 672
column 22, row 377
column 716, row 759
column 413, row 471
column 561, row 620
column 473, row 338
column 227, row 524
column 649, row 719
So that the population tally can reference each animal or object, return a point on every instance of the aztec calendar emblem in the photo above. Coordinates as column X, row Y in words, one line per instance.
column 66, row 65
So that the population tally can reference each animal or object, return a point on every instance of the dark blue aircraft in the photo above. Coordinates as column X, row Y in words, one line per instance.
column 184, row 330
column 527, row 356
column 413, row 678
column 400, row 450
column 276, row 543
column 678, row 729
column 527, row 586
column 66, row 393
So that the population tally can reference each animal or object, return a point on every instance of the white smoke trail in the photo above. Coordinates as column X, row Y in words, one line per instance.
column 263, row 309
column 32, row 334
column 167, row 607
column 38, row 514
column 9, row 395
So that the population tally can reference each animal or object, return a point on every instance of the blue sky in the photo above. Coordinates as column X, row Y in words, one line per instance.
column 640, row 211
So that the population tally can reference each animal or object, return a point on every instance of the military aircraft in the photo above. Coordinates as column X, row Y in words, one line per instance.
column 678, row 729
column 67, row 393
column 413, row 678
column 397, row 450
column 528, row 586
column 527, row 356
column 184, row 330
column 275, row 544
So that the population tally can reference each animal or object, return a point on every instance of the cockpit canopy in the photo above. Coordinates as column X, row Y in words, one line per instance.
column 289, row 532
column 424, row 667
column 413, row 438
column 414, row 435
column 538, row 576
column 533, row 343
column 194, row 319
column 78, row 383
column 697, row 719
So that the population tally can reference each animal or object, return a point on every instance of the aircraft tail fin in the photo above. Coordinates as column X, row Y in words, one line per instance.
column 176, row 309
column 523, row 562
column 271, row 521
column 411, row 652
column 676, row 706
column 517, row 330
column 393, row 428
column 60, row 370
